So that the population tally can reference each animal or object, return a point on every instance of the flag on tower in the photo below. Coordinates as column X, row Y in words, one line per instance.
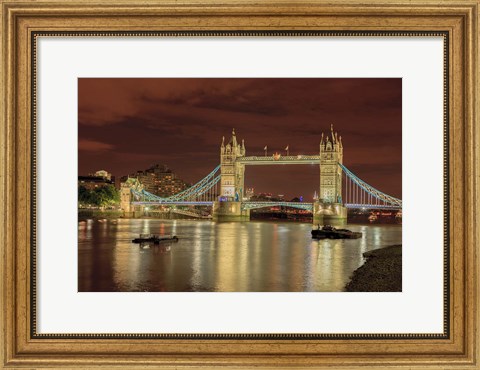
column 265, row 150
column 286, row 149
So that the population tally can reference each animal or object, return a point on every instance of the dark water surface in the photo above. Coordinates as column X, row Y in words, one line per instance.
column 251, row 256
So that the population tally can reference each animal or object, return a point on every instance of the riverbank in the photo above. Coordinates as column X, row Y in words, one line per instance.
column 84, row 214
column 381, row 272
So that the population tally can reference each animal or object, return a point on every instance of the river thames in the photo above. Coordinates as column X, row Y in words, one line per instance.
column 256, row 256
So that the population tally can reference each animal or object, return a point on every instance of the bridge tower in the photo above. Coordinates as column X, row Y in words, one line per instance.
column 329, row 206
column 129, row 210
column 232, row 181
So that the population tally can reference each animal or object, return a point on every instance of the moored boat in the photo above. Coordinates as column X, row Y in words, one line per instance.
column 154, row 239
column 329, row 232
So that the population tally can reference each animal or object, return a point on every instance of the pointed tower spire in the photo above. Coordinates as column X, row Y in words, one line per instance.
column 222, row 147
column 234, row 139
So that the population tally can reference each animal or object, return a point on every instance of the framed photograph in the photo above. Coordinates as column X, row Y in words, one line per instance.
column 239, row 184
column 240, row 201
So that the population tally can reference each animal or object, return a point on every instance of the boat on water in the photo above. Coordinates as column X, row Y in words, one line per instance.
column 154, row 239
column 329, row 232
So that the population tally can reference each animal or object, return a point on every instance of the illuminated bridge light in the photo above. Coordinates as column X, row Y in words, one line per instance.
column 356, row 193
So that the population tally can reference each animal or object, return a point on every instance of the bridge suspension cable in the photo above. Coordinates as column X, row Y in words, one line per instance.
column 206, row 190
column 357, row 192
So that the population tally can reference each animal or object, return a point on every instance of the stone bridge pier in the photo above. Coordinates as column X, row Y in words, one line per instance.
column 230, row 211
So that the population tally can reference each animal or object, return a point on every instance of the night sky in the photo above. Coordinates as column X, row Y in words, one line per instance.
column 130, row 124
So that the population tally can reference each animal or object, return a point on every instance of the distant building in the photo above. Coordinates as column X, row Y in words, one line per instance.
column 266, row 197
column 92, row 182
column 102, row 173
column 159, row 180
column 263, row 197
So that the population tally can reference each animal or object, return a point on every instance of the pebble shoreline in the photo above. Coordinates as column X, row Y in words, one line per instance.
column 381, row 272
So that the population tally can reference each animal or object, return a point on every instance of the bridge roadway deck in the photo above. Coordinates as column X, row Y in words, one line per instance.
column 173, row 203
column 255, row 205
column 372, row 206
column 291, row 159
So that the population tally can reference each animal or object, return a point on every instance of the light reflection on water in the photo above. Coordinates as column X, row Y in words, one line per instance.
column 226, row 257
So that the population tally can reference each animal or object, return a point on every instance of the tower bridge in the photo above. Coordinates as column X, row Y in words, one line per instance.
column 223, row 189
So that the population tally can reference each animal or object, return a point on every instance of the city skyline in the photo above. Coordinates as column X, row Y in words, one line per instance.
column 127, row 125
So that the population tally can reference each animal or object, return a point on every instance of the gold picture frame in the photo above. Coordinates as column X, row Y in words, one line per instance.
column 24, row 21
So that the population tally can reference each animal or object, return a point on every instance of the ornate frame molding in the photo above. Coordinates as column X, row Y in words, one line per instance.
column 21, row 20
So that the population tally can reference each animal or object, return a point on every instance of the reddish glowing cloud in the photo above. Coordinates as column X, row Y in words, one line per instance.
column 93, row 146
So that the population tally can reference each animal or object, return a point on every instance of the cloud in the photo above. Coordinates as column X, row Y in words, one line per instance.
column 93, row 146
column 129, row 123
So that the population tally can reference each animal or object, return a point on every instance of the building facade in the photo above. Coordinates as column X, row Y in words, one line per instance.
column 93, row 182
column 159, row 180
column 103, row 173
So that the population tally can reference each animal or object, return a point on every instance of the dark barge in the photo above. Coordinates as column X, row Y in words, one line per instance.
column 329, row 232
column 154, row 239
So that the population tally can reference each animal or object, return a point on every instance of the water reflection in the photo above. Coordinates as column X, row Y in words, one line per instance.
column 225, row 257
